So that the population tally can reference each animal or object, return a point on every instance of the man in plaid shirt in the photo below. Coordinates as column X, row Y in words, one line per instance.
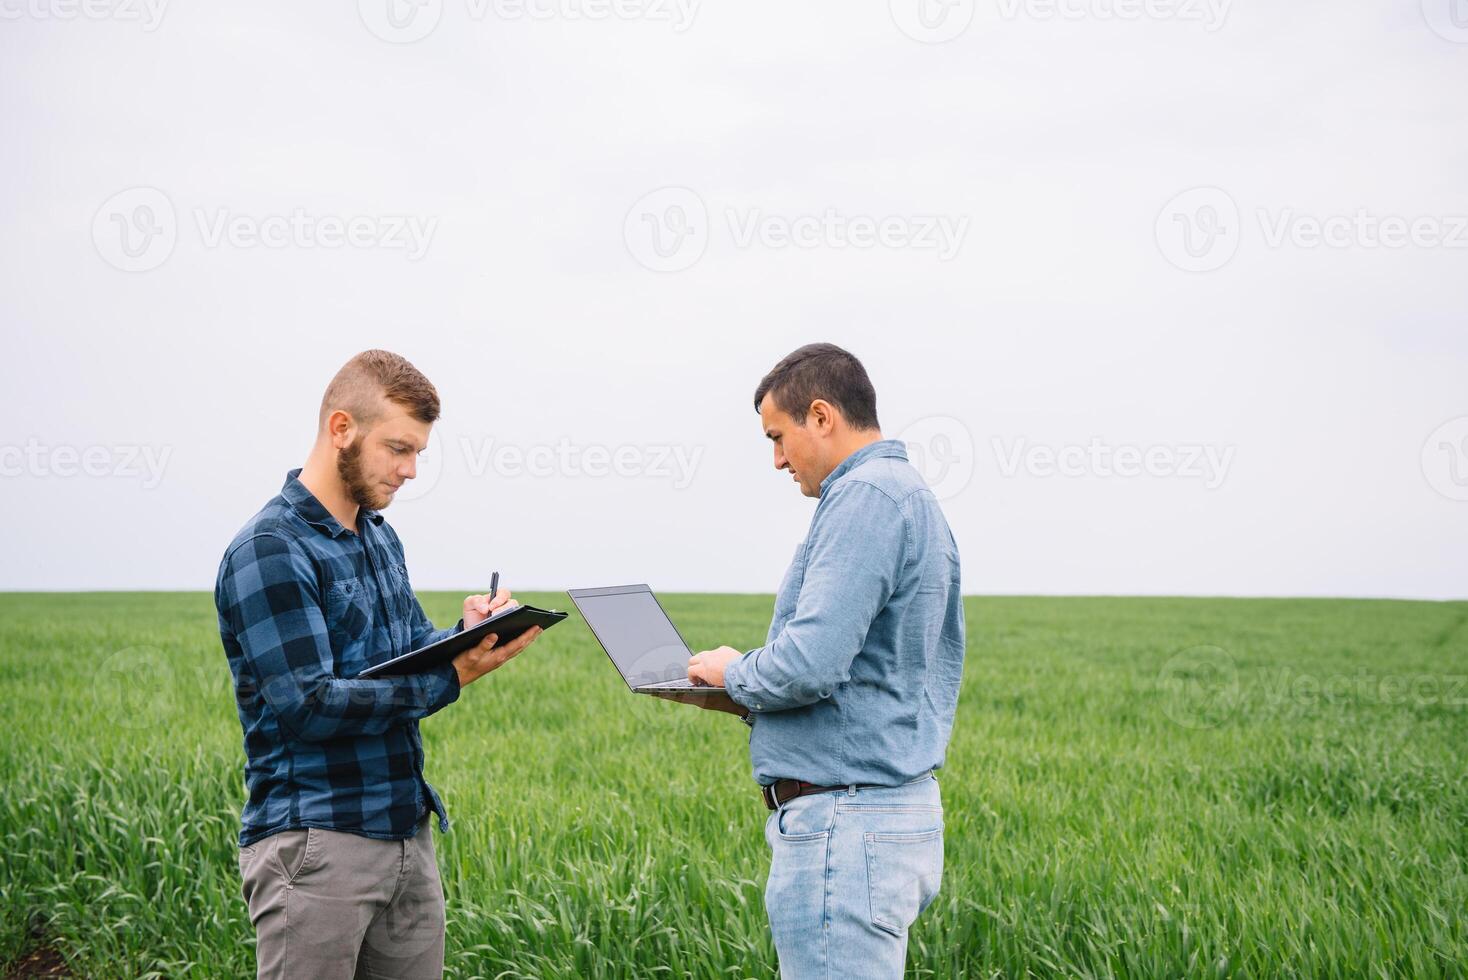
column 336, row 851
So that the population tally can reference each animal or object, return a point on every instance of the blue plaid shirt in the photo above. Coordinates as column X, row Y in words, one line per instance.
column 304, row 607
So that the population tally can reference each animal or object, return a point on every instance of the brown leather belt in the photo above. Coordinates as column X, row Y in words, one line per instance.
column 784, row 790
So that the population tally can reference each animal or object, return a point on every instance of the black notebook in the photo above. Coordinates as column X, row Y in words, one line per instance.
column 506, row 624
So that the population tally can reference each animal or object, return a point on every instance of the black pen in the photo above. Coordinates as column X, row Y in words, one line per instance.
column 494, row 588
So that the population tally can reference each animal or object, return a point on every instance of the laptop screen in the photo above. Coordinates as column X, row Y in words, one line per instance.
column 636, row 633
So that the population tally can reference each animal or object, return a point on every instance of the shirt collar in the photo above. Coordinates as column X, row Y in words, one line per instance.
column 312, row 511
column 889, row 448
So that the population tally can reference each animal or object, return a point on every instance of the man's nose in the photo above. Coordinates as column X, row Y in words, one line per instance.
column 410, row 471
column 780, row 461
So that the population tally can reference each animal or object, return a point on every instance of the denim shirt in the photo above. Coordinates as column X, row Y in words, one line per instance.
column 858, row 679
column 304, row 607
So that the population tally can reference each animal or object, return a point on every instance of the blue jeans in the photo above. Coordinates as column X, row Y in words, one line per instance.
column 849, row 873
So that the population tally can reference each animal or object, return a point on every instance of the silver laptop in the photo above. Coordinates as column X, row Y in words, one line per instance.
column 642, row 641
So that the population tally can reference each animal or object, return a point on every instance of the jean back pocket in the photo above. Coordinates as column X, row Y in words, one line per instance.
column 904, row 873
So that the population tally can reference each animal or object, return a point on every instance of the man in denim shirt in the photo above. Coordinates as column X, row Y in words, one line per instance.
column 851, row 699
column 336, row 851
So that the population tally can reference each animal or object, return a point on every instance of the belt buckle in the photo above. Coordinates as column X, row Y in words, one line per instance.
column 768, row 794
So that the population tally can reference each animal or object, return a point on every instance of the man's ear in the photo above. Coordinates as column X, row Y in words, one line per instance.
column 821, row 416
column 339, row 426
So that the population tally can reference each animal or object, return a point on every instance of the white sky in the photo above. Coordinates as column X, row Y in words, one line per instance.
column 524, row 150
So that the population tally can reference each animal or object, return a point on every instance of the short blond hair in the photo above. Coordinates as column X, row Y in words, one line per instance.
column 361, row 384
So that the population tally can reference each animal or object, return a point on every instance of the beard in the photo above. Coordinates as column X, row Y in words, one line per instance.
column 349, row 468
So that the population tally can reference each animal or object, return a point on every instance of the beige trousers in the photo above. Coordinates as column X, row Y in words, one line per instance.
column 328, row 905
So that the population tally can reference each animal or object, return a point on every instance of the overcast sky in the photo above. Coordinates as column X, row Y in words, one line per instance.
column 1168, row 296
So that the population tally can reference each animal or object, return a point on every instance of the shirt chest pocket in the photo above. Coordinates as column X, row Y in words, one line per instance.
column 397, row 588
column 349, row 624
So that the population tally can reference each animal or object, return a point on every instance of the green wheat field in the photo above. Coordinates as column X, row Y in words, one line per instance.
column 1135, row 788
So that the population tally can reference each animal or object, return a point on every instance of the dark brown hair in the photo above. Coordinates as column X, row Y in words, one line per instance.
column 822, row 371
column 373, row 374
